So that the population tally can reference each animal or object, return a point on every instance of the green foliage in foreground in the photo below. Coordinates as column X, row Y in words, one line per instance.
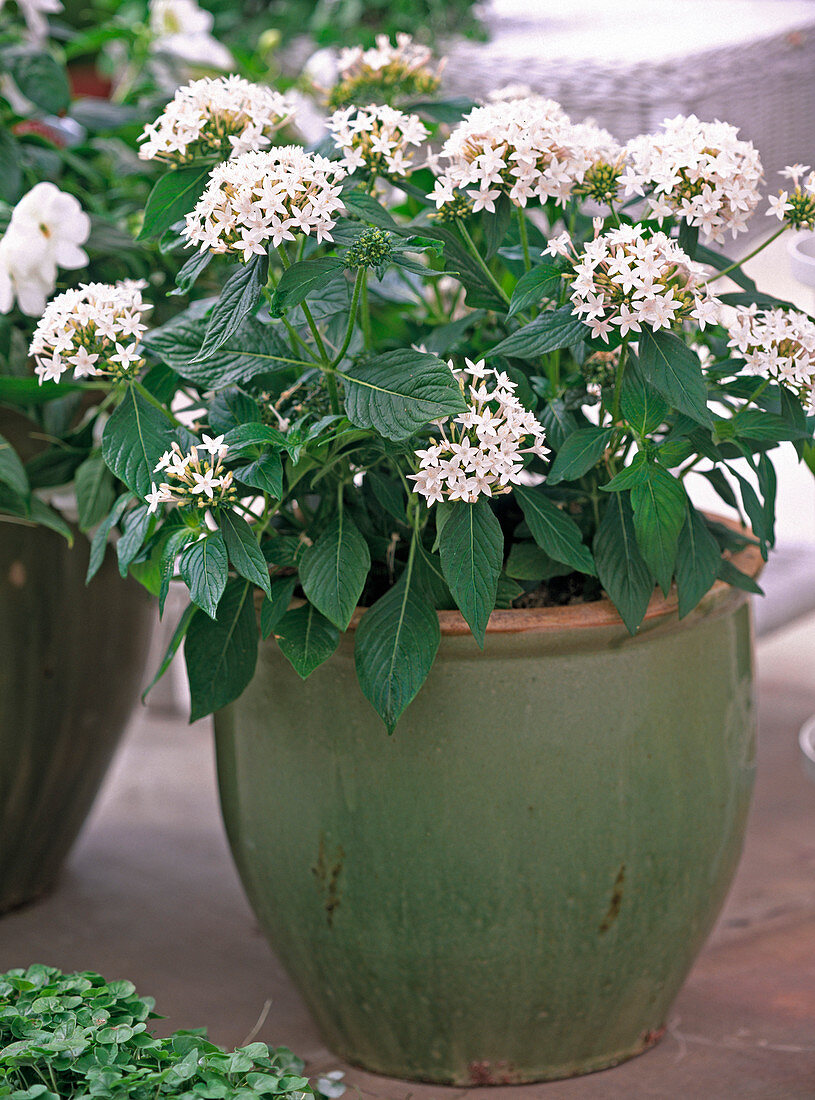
column 76, row 1035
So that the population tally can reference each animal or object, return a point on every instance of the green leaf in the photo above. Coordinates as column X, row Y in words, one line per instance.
column 39, row 77
column 366, row 207
column 203, row 568
column 731, row 575
column 244, row 437
column 136, row 523
column 221, row 655
column 620, row 565
column 697, row 561
column 299, row 280
column 99, row 541
column 668, row 364
column 395, row 647
column 176, row 640
column 642, row 407
column 254, row 348
column 527, row 562
column 635, row 473
column 496, row 225
column 173, row 196
column 185, row 279
column 659, row 504
column 542, row 282
column 29, row 391
column 306, row 639
column 12, row 180
column 171, row 544
column 554, row 531
column 12, row 471
column 240, row 295
column 333, row 571
column 471, row 548
column 41, row 514
column 554, row 329
column 94, row 491
column 265, row 473
column 400, row 392
column 273, row 609
column 134, row 439
column 765, row 427
column 243, row 550
column 580, row 452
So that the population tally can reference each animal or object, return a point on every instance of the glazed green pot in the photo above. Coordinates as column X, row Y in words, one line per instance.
column 72, row 659
column 514, row 885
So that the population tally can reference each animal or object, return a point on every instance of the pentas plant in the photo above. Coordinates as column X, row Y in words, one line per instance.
column 474, row 378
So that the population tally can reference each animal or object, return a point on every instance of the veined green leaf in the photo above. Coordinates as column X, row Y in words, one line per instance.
column 471, row 548
column 240, row 295
column 554, row 531
column 173, row 196
column 272, row 610
column 333, row 571
column 243, row 550
column 579, row 453
column 698, row 559
column 134, row 439
column 306, row 639
column 672, row 368
column 221, row 655
column 554, row 329
column 620, row 565
column 299, row 280
column 659, row 504
column 203, row 568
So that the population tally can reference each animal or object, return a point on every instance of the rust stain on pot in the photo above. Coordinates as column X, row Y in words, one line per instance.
column 17, row 574
column 327, row 871
column 650, row 1038
column 616, row 901
column 492, row 1073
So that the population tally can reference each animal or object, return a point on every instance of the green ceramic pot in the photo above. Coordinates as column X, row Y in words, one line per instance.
column 514, row 886
column 72, row 660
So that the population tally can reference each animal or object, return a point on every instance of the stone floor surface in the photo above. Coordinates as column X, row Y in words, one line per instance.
column 150, row 893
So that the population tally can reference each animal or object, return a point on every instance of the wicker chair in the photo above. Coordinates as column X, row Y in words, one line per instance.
column 628, row 64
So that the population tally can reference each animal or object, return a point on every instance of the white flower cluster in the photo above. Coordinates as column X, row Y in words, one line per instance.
column 266, row 197
column 46, row 231
column 386, row 70
column 778, row 344
column 627, row 279
column 182, row 30
column 222, row 116
column 606, row 159
column 796, row 206
column 95, row 329
column 377, row 138
column 194, row 480
column 700, row 172
column 483, row 453
column 525, row 148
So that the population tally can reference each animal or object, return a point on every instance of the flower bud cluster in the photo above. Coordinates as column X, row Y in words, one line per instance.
column 523, row 148
column 194, row 480
column 626, row 279
column 777, row 344
column 266, row 198
column 796, row 207
column 220, row 117
column 372, row 248
column 481, row 450
column 377, row 139
column 699, row 172
column 95, row 329
column 385, row 73
column 606, row 157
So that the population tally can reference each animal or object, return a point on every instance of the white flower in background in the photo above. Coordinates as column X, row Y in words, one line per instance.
column 377, row 138
column 263, row 198
column 625, row 279
column 700, row 172
column 480, row 451
column 182, row 29
column 93, row 330
column 777, row 344
column 223, row 116
column 796, row 207
column 384, row 72
column 192, row 479
column 46, row 231
column 34, row 13
column 524, row 148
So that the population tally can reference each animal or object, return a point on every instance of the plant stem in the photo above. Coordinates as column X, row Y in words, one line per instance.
column 618, row 385
column 749, row 256
column 524, row 237
column 359, row 282
column 480, row 260
column 366, row 317
column 145, row 393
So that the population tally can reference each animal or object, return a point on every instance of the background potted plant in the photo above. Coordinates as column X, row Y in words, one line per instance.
column 446, row 414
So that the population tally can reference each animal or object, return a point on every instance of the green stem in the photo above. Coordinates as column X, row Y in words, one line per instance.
column 480, row 260
column 749, row 256
column 359, row 282
column 145, row 393
column 618, row 385
column 524, row 238
column 315, row 332
column 366, row 317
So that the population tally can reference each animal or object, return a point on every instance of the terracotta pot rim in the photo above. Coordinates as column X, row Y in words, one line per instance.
column 597, row 613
